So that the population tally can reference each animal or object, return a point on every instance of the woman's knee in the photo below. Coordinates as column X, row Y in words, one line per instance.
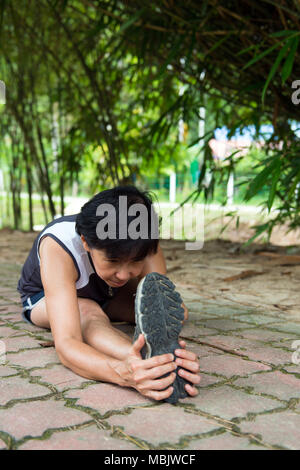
column 90, row 310
column 39, row 316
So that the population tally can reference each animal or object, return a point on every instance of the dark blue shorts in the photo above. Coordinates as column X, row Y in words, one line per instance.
column 36, row 298
column 29, row 304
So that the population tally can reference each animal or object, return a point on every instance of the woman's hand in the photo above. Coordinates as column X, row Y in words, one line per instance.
column 145, row 375
column 189, row 368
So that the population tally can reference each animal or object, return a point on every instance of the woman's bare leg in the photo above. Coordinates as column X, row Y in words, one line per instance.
column 97, row 330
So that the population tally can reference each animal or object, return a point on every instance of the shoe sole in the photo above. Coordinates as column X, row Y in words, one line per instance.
column 159, row 316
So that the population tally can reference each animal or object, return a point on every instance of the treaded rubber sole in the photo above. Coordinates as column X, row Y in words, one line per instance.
column 159, row 316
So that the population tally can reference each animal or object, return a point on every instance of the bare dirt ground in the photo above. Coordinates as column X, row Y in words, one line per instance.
column 262, row 275
column 223, row 269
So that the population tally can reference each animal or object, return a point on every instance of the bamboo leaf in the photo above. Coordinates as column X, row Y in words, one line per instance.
column 275, row 179
column 259, row 230
column 260, row 179
column 217, row 44
column 243, row 51
column 275, row 66
column 288, row 65
column 260, row 56
column 286, row 32
column 196, row 141
column 192, row 45
column 132, row 20
column 270, row 49
column 294, row 185
column 173, row 53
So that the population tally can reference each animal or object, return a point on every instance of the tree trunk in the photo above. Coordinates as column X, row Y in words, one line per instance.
column 47, row 178
column 29, row 189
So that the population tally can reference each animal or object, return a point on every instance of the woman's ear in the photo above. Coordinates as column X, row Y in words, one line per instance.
column 85, row 245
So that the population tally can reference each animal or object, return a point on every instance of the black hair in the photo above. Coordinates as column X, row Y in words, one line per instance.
column 119, row 247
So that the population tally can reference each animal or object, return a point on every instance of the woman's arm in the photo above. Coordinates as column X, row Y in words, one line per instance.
column 58, row 277
column 155, row 263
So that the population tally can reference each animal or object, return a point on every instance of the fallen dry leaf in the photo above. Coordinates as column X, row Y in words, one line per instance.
column 279, row 259
column 269, row 254
column 47, row 344
column 243, row 275
column 282, row 307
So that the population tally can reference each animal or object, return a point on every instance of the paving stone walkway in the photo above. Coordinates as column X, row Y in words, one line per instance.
column 249, row 396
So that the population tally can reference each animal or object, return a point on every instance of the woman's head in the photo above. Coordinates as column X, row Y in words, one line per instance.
column 119, row 228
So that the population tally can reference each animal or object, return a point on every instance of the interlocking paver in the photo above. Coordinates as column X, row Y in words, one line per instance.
column 218, row 308
column 283, row 386
column 13, row 388
column 207, row 380
column 196, row 331
column 59, row 376
column 88, row 438
column 232, row 343
column 6, row 371
column 34, row 418
column 191, row 297
column 105, row 397
column 27, row 327
column 5, row 290
column 163, row 424
column 6, row 331
column 288, row 327
column 229, row 365
column 293, row 369
column 2, row 445
column 270, row 355
column 244, row 345
column 201, row 350
column 228, row 403
column 14, row 318
column 264, row 335
column 194, row 313
column 12, row 296
column 6, row 308
column 33, row 357
column 224, row 441
column 225, row 324
column 192, row 331
column 20, row 342
column 278, row 429
column 258, row 319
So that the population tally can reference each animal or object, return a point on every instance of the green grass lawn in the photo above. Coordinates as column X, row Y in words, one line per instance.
column 219, row 198
column 182, row 225
column 6, row 213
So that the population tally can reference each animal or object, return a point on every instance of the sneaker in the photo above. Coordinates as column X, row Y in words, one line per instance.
column 159, row 316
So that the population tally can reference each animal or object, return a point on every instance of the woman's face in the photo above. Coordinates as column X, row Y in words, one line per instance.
column 116, row 273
